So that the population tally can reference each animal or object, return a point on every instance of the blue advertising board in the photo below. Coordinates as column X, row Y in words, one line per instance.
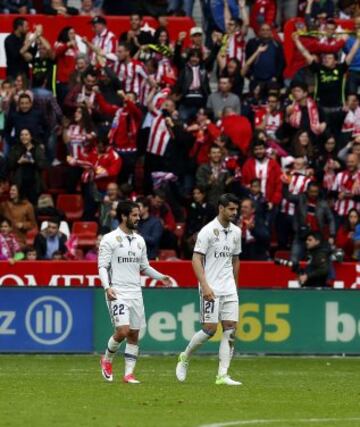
column 41, row 320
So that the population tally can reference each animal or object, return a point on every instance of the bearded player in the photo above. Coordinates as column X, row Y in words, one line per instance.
column 122, row 257
column 216, row 265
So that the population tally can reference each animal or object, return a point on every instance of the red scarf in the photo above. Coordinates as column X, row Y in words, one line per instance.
column 295, row 117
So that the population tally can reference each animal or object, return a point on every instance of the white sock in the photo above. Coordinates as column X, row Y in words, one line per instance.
column 196, row 341
column 131, row 354
column 226, row 351
column 112, row 348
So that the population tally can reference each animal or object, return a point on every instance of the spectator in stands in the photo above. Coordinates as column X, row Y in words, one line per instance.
column 302, row 146
column 137, row 36
column 26, row 161
column 20, row 7
column 124, row 130
column 108, row 207
column 30, row 253
column 26, row 117
column 345, row 234
column 59, row 8
column 296, row 172
column 270, row 64
column 200, row 212
column 353, row 80
column 330, row 81
column 263, row 12
column 346, row 188
column 50, row 241
column 212, row 176
column 9, row 246
column 92, row 254
column 351, row 121
column 353, row 147
column 46, row 103
column 223, row 98
column 19, row 212
column 269, row 172
column 303, row 113
column 312, row 214
column 82, row 62
column 255, row 237
column 45, row 208
column 16, row 62
column 88, row 8
column 150, row 227
column 66, row 51
column 44, row 64
column 269, row 118
column 327, row 162
column 162, row 210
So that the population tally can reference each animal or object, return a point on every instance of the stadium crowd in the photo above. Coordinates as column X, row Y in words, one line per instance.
column 173, row 124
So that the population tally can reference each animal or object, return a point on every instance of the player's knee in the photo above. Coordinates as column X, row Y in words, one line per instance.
column 209, row 329
column 230, row 334
column 132, row 336
column 121, row 333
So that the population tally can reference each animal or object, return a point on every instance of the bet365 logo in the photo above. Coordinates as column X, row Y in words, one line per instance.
column 341, row 326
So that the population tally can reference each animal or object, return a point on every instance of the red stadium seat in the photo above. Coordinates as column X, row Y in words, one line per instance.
column 86, row 232
column 72, row 205
column 30, row 236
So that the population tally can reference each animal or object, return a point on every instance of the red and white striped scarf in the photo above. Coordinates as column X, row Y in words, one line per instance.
column 159, row 136
column 295, row 117
column 298, row 184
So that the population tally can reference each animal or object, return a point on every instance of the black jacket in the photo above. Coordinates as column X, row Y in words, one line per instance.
column 323, row 213
column 256, row 249
column 318, row 267
column 40, row 245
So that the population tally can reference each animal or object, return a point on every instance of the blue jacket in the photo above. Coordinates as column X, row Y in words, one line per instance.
column 151, row 230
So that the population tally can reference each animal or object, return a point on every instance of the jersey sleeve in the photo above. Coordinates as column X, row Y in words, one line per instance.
column 237, row 243
column 105, row 254
column 202, row 242
column 144, row 262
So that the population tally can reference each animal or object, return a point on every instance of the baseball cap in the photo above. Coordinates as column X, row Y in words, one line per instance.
column 196, row 30
column 98, row 20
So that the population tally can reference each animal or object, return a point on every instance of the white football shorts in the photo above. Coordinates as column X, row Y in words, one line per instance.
column 225, row 307
column 127, row 311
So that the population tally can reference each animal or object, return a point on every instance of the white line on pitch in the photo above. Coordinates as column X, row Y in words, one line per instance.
column 274, row 421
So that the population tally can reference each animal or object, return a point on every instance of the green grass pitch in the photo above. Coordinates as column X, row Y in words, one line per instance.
column 68, row 390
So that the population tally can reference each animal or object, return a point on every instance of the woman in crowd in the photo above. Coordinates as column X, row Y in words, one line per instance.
column 9, row 245
column 19, row 212
column 345, row 235
column 26, row 161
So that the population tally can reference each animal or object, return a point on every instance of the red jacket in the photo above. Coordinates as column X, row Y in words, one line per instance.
column 65, row 61
column 126, row 123
column 203, row 142
column 345, row 242
column 238, row 129
column 262, row 12
column 104, row 167
column 273, row 192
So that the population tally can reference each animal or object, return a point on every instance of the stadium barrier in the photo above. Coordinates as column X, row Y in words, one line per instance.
column 271, row 321
column 53, row 24
column 84, row 274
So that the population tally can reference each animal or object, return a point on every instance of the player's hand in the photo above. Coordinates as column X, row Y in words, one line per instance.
column 166, row 281
column 110, row 294
column 208, row 293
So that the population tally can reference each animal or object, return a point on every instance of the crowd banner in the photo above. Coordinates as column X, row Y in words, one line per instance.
column 279, row 321
column 46, row 320
column 53, row 24
column 84, row 274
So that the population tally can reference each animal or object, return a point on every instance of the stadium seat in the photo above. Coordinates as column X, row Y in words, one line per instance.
column 30, row 236
column 86, row 232
column 282, row 254
column 55, row 180
column 72, row 205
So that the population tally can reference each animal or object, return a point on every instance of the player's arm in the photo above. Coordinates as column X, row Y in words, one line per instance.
column 145, row 268
column 197, row 263
column 104, row 260
column 236, row 269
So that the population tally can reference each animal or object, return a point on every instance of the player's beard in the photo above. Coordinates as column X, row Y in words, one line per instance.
column 132, row 225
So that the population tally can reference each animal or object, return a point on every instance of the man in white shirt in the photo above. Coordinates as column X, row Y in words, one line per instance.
column 216, row 265
column 122, row 257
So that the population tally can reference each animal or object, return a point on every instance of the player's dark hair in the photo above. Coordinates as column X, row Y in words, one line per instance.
column 18, row 22
column 124, row 208
column 226, row 199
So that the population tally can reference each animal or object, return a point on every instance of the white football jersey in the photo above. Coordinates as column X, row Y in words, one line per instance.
column 124, row 256
column 219, row 245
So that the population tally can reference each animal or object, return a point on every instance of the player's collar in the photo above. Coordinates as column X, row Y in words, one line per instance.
column 222, row 228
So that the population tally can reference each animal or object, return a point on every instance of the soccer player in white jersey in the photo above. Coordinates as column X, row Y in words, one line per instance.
column 216, row 265
column 122, row 257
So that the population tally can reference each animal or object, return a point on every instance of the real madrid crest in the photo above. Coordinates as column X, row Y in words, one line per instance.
column 139, row 246
column 119, row 240
column 216, row 232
